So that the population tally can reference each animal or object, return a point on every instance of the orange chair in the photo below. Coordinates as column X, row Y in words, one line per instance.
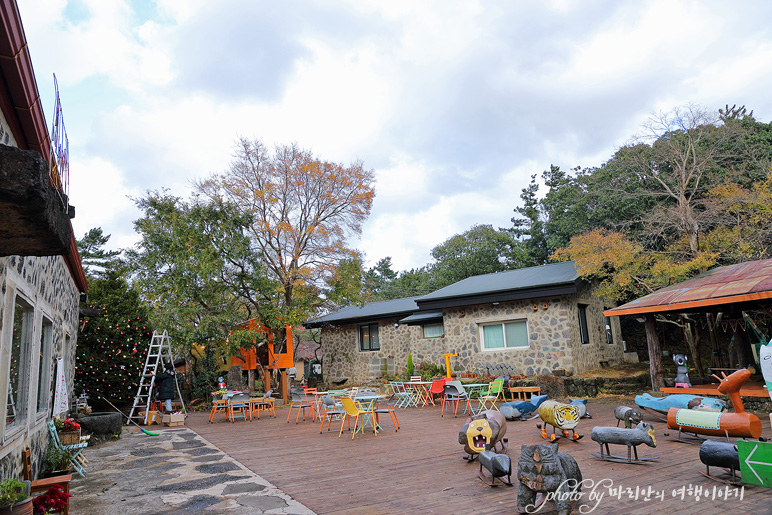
column 218, row 405
column 265, row 403
column 302, row 403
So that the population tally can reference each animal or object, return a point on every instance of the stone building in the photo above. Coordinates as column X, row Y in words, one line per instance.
column 538, row 320
column 41, row 278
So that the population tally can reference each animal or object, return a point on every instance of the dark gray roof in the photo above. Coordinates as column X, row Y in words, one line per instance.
column 523, row 283
column 423, row 316
column 373, row 311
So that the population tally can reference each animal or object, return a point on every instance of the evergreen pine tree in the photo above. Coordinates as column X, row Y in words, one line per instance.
column 112, row 347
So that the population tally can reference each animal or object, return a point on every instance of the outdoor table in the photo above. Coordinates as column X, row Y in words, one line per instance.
column 420, row 391
column 371, row 401
column 474, row 389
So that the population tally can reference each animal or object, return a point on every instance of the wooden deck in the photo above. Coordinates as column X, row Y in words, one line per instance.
column 420, row 469
column 748, row 390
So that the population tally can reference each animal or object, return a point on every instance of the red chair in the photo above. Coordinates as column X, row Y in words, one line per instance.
column 437, row 389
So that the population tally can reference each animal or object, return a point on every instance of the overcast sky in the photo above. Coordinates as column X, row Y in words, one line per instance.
column 453, row 104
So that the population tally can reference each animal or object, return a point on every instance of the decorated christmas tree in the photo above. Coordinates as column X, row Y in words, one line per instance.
column 112, row 346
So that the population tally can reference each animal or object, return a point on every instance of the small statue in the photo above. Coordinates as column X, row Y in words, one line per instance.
column 630, row 416
column 541, row 468
column 499, row 466
column 522, row 409
column 483, row 431
column 632, row 438
column 221, row 383
column 720, row 454
column 560, row 416
column 682, row 377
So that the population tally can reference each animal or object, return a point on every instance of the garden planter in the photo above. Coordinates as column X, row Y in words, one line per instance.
column 20, row 508
column 101, row 424
column 69, row 437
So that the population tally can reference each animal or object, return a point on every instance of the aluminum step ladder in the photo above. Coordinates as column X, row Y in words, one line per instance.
column 159, row 351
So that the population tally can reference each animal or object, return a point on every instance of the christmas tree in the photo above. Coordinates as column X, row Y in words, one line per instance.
column 112, row 346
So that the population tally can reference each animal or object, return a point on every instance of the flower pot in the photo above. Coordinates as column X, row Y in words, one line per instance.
column 70, row 437
column 54, row 473
column 20, row 508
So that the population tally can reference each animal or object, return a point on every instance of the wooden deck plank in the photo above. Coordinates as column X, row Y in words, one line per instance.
column 420, row 468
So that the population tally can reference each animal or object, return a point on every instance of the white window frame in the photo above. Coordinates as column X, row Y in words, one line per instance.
column 584, row 325
column 423, row 330
column 44, row 366
column 22, row 400
column 502, row 323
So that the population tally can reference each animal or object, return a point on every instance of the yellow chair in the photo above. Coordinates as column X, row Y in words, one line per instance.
column 355, row 410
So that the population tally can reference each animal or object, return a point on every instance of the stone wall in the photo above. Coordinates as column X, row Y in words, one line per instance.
column 46, row 284
column 553, row 333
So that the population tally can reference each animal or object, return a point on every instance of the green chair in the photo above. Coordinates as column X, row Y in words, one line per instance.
column 494, row 393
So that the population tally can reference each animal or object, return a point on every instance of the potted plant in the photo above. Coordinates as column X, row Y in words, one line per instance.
column 14, row 497
column 54, row 500
column 57, row 461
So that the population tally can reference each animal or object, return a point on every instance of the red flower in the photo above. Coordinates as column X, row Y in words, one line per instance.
column 55, row 499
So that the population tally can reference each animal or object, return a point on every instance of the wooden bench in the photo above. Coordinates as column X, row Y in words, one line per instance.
column 523, row 392
column 42, row 485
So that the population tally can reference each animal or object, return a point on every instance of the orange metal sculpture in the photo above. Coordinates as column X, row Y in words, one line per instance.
column 739, row 424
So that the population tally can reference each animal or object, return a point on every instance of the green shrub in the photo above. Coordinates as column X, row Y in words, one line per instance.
column 410, row 367
column 12, row 491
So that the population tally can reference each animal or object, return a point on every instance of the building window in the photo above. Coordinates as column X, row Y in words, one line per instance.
column 584, row 331
column 44, row 366
column 368, row 337
column 18, row 377
column 433, row 330
column 505, row 335
column 609, row 333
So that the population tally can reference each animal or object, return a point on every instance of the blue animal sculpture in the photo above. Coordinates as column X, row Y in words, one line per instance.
column 521, row 409
column 679, row 400
column 682, row 376
column 582, row 405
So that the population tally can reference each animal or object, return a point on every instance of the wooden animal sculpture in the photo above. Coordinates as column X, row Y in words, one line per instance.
column 720, row 454
column 739, row 423
column 541, row 468
column 560, row 416
column 522, row 409
column 483, row 431
column 632, row 438
column 498, row 465
column 679, row 400
column 682, row 372
column 630, row 416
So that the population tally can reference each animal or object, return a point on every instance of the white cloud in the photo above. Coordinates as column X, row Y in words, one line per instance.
column 453, row 104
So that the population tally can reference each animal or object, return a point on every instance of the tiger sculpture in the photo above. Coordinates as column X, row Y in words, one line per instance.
column 560, row 416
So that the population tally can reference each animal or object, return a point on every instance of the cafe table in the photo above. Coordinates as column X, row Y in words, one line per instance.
column 420, row 391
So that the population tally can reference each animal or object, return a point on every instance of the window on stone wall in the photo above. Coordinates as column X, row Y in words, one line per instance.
column 583, row 329
column 505, row 335
column 18, row 375
column 433, row 330
column 44, row 366
column 368, row 337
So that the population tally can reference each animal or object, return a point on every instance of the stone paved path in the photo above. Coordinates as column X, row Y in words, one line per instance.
column 176, row 472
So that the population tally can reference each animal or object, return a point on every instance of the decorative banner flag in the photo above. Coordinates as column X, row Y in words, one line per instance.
column 61, row 401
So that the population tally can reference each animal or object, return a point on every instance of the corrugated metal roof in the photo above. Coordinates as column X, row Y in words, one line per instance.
column 731, row 284
column 520, row 279
column 372, row 311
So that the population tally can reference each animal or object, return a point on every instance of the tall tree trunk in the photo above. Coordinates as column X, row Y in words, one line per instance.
column 251, row 380
column 693, row 344
column 717, row 359
column 743, row 346
column 655, row 354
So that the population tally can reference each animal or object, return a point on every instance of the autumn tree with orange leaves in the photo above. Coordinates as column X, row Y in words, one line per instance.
column 303, row 210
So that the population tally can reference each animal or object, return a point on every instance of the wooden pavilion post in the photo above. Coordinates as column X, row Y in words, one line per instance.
column 655, row 353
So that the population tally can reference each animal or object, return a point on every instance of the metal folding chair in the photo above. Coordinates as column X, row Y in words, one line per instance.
column 74, row 449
